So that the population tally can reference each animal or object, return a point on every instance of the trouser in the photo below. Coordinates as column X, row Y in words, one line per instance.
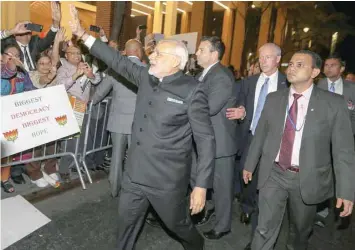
column 33, row 169
column 119, row 146
column 238, row 180
column 223, row 191
column 171, row 206
column 283, row 187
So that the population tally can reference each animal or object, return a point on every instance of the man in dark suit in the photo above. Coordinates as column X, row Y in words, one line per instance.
column 30, row 46
column 220, row 86
column 251, row 100
column 334, row 67
column 124, row 95
column 295, row 167
column 171, row 108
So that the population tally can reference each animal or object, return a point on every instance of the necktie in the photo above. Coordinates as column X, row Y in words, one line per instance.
column 27, row 58
column 288, row 136
column 260, row 105
column 332, row 87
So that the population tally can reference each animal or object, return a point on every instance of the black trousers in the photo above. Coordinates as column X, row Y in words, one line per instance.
column 170, row 206
column 249, row 197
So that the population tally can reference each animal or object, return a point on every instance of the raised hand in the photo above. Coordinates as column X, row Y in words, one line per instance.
column 75, row 22
column 60, row 36
column 56, row 15
column 102, row 32
column 88, row 71
column 20, row 28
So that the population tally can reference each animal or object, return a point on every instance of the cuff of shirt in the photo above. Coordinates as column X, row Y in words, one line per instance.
column 90, row 42
column 54, row 29
column 103, row 39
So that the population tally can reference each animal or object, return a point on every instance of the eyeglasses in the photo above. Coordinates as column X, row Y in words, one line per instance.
column 159, row 54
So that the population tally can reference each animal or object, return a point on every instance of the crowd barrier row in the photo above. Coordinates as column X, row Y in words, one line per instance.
column 91, row 140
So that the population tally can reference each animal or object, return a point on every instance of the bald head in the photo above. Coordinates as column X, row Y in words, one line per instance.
column 133, row 48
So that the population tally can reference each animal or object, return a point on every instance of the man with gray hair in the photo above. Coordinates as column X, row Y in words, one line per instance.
column 251, row 101
column 171, row 108
column 124, row 95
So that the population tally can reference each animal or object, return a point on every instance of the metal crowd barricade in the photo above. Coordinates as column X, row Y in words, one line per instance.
column 99, row 136
column 81, row 151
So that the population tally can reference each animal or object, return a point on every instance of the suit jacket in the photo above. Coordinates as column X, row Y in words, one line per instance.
column 326, row 135
column 168, row 114
column 220, row 87
column 36, row 44
column 349, row 96
column 123, row 104
column 246, row 99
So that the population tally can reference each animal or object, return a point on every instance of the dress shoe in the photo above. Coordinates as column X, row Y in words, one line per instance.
column 248, row 247
column 153, row 222
column 213, row 235
column 245, row 218
column 18, row 179
column 205, row 218
column 319, row 223
column 237, row 197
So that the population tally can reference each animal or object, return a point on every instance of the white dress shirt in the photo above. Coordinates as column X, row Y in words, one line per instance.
column 302, row 106
column 273, row 79
column 28, row 52
column 338, row 85
column 24, row 58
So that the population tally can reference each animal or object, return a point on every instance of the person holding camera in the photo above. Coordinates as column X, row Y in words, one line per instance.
column 31, row 45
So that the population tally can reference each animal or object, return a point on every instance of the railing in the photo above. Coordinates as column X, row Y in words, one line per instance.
column 83, row 147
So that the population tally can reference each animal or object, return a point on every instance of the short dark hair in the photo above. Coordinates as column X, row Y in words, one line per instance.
column 10, row 45
column 316, row 59
column 337, row 57
column 216, row 45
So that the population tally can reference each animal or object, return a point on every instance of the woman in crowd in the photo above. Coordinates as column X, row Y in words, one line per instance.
column 45, row 76
column 46, row 64
column 14, row 79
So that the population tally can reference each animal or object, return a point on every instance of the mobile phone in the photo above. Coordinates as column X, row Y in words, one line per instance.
column 94, row 28
column 34, row 27
column 142, row 27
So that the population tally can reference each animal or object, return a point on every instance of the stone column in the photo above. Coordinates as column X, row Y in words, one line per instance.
column 238, row 35
column 13, row 12
column 227, row 34
column 170, row 18
column 185, row 22
column 158, row 17
column 279, row 33
column 149, row 24
column 197, row 18
column 265, row 25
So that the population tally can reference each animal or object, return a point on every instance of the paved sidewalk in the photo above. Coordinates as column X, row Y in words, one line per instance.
column 87, row 220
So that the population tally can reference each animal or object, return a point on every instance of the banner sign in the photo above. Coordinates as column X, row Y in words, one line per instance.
column 190, row 39
column 79, row 108
column 33, row 118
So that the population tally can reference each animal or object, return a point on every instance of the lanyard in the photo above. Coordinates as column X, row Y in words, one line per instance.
column 293, row 124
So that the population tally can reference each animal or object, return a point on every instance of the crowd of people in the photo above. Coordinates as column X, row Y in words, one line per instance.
column 199, row 134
